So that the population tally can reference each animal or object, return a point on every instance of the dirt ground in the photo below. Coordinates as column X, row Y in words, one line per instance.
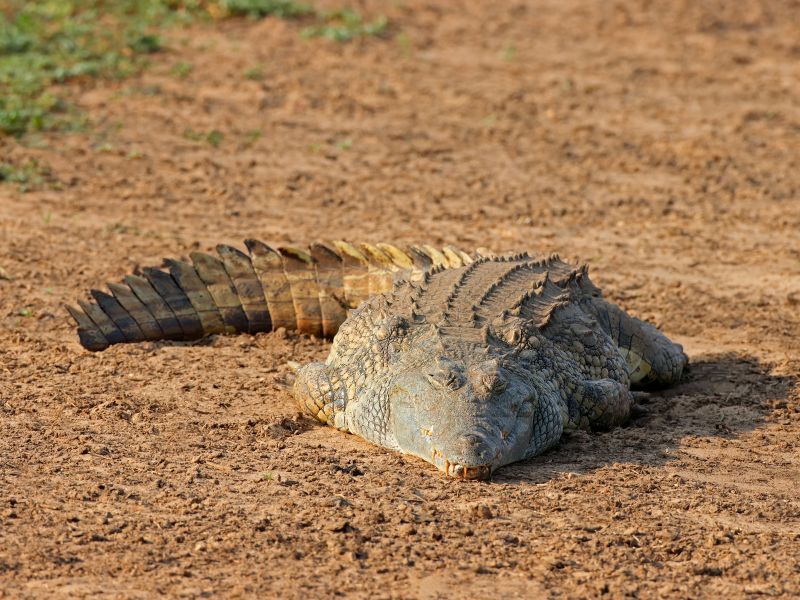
column 658, row 140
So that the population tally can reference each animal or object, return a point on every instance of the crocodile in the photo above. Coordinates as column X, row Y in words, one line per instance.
column 468, row 361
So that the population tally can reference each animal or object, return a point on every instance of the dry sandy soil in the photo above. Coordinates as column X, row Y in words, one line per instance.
column 658, row 140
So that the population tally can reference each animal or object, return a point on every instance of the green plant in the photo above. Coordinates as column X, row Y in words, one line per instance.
column 509, row 52
column 28, row 175
column 267, row 8
column 182, row 69
column 251, row 137
column 404, row 43
column 145, row 43
column 214, row 138
column 255, row 73
column 191, row 134
column 345, row 24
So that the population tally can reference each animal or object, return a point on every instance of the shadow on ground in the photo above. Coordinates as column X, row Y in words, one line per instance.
column 720, row 396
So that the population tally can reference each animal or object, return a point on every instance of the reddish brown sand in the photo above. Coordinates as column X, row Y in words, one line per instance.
column 658, row 140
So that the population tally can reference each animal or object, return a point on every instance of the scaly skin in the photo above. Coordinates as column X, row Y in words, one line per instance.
column 470, row 365
column 484, row 365
column 304, row 289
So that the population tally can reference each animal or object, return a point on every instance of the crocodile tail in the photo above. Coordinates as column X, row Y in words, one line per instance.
column 305, row 289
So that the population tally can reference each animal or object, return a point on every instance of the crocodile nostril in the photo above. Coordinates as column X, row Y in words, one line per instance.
column 471, row 442
column 475, row 446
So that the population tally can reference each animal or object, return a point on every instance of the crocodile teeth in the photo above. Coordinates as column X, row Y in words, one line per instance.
column 468, row 473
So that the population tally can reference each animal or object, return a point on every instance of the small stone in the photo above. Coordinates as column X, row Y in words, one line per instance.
column 340, row 526
column 709, row 571
column 408, row 530
column 340, row 502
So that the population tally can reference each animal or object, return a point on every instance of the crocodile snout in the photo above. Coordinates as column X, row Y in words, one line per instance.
column 470, row 457
column 476, row 448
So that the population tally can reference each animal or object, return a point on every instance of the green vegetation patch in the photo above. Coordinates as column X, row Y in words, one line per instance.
column 26, row 176
column 213, row 137
column 45, row 43
column 283, row 9
column 344, row 25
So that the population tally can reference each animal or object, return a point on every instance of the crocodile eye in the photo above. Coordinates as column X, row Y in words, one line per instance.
column 494, row 383
column 448, row 378
column 446, row 373
column 398, row 323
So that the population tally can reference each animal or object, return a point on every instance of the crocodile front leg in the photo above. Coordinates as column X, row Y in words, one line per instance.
column 320, row 394
column 653, row 359
column 600, row 403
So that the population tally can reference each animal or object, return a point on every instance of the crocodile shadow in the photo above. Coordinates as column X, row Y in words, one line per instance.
column 721, row 396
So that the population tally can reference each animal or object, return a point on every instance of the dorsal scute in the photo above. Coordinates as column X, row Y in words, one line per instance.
column 323, row 253
column 461, row 303
column 497, row 289
column 585, row 284
column 377, row 256
column 457, row 257
column 508, row 283
column 349, row 253
column 540, row 305
column 399, row 258
column 459, row 284
column 517, row 305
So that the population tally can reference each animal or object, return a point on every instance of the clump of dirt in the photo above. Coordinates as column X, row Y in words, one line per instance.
column 283, row 428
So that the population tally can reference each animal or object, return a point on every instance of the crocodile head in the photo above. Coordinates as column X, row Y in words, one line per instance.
column 463, row 405
column 467, row 418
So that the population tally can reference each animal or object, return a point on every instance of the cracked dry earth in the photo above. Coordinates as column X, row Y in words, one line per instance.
column 658, row 140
